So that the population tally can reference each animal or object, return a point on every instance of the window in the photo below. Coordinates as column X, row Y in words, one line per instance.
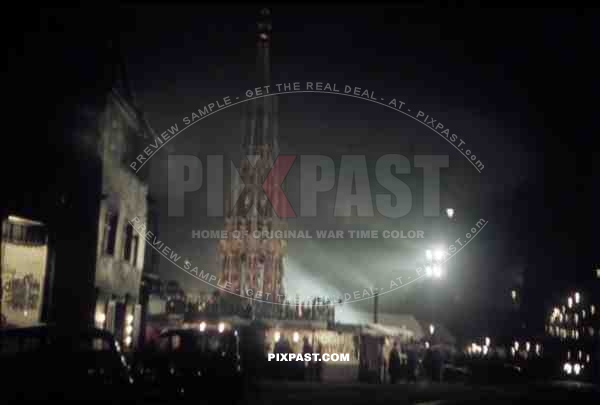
column 110, row 232
column 128, row 247
column 17, row 232
column 134, row 248
column 6, row 230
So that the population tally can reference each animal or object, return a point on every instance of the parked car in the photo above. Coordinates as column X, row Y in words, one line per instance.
column 50, row 363
column 191, row 364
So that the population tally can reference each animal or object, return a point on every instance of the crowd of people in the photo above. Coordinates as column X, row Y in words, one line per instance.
column 406, row 362
column 306, row 370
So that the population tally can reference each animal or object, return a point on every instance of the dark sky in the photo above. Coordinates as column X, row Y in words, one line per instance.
column 511, row 83
column 494, row 77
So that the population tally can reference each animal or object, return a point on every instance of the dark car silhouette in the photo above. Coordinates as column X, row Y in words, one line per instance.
column 50, row 363
column 191, row 364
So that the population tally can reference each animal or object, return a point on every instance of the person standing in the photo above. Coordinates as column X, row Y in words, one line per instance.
column 412, row 362
column 437, row 364
column 308, row 365
column 394, row 364
column 319, row 363
column 428, row 364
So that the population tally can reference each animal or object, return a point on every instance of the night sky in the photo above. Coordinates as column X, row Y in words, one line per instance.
column 510, row 83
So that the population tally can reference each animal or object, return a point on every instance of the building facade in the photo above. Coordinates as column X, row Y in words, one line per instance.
column 121, row 251
column 573, row 334
column 67, row 254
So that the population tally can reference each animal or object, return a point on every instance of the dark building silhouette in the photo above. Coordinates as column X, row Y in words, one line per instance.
column 76, row 125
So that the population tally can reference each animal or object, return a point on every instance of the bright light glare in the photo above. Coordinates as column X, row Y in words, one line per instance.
column 127, row 340
column 577, row 368
column 568, row 368
column 487, row 341
column 439, row 255
column 450, row 212
column 428, row 254
column 527, row 346
column 570, row 302
column 577, row 298
column 428, row 271
column 100, row 317
column 129, row 318
column 516, row 345
column 202, row 326
column 437, row 271
column 296, row 337
column 431, row 329
column 221, row 327
column 277, row 336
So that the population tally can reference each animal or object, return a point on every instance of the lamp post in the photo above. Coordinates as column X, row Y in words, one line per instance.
column 435, row 258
